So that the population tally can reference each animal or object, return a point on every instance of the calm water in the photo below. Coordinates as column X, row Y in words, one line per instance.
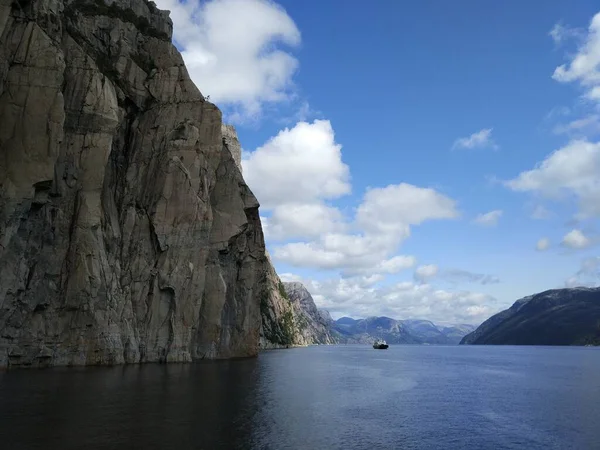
column 346, row 397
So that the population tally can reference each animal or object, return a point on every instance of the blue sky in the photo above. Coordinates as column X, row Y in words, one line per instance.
column 402, row 151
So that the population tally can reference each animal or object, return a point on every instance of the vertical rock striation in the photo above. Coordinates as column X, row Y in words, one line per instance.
column 127, row 233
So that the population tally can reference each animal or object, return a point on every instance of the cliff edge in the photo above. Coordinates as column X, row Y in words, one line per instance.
column 127, row 233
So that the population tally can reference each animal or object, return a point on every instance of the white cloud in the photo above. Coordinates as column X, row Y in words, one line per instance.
column 290, row 277
column 488, row 219
column 295, row 173
column 233, row 50
column 405, row 300
column 543, row 244
column 299, row 165
column 586, row 126
column 397, row 205
column 425, row 273
column 559, row 33
column 384, row 218
column 572, row 170
column 303, row 220
column 480, row 139
column 584, row 65
column 350, row 253
column 575, row 239
column 392, row 265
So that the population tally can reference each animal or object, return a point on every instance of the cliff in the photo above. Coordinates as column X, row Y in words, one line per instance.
column 127, row 231
column 554, row 317
column 314, row 326
column 279, row 327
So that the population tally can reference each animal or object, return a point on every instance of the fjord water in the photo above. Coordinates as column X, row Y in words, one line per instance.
column 327, row 397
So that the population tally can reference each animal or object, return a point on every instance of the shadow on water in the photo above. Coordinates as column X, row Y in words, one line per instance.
column 344, row 397
column 199, row 406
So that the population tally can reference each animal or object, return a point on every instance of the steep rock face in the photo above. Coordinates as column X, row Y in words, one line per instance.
column 313, row 325
column 554, row 317
column 279, row 324
column 127, row 233
column 233, row 144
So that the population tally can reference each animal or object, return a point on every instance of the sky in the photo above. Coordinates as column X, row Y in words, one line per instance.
column 416, row 159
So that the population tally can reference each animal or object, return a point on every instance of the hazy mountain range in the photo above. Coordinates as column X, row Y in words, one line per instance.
column 364, row 331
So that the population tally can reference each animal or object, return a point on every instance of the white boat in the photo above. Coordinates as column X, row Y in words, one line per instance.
column 380, row 344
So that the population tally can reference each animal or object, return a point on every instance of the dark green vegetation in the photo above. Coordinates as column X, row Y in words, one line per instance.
column 554, row 317
column 397, row 331
column 280, row 332
column 282, row 291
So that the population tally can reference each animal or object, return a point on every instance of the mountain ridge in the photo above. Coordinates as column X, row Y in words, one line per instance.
column 394, row 331
column 568, row 316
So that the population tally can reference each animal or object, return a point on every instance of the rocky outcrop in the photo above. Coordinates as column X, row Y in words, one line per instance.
column 230, row 139
column 313, row 325
column 555, row 317
column 279, row 324
column 127, row 233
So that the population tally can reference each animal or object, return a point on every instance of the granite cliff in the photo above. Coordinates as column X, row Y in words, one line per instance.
column 127, row 232
column 555, row 317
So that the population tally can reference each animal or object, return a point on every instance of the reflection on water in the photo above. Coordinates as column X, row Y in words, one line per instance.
column 346, row 397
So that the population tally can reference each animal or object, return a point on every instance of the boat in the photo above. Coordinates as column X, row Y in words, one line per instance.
column 380, row 344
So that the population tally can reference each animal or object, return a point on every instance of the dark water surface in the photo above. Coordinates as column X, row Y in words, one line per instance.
column 338, row 397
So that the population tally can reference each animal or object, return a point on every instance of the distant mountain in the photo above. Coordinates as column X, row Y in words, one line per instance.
column 365, row 331
column 555, row 317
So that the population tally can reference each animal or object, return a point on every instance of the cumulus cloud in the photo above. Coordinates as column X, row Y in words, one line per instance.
column 573, row 170
column 425, row 273
column 391, row 265
column 405, row 300
column 235, row 50
column 488, row 219
column 298, row 171
column 584, row 65
column 384, row 218
column 397, row 205
column 303, row 220
column 543, row 244
column 480, row 139
column 575, row 239
column 300, row 165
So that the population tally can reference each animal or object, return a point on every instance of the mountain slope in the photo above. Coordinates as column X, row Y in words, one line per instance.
column 364, row 331
column 315, row 326
column 555, row 317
